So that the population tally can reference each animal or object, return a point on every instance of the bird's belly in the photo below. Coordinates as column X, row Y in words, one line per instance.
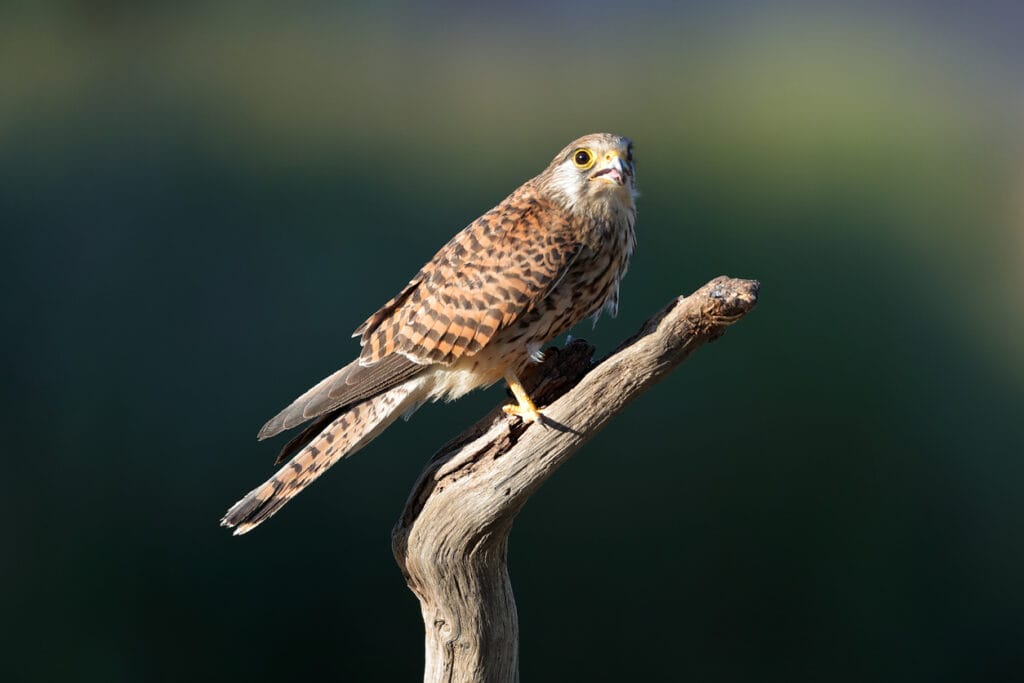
column 468, row 373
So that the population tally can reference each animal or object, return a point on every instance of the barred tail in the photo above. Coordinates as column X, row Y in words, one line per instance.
column 349, row 432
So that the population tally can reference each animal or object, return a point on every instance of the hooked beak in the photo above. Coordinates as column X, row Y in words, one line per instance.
column 613, row 170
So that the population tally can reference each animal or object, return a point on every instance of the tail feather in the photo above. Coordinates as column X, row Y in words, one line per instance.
column 346, row 434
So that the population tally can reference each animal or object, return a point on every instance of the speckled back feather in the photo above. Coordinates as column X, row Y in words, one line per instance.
column 479, row 283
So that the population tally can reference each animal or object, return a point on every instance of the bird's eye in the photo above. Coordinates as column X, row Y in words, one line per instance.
column 583, row 158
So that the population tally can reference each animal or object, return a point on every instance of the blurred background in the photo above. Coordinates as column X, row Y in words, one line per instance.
column 201, row 201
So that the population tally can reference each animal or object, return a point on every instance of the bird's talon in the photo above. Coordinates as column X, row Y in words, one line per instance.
column 524, row 406
column 527, row 416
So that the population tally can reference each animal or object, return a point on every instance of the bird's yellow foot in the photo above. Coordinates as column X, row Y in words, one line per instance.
column 524, row 407
column 530, row 414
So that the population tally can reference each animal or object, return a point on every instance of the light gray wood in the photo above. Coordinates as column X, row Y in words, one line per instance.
column 451, row 541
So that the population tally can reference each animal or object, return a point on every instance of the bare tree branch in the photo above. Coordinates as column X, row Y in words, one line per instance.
column 452, row 538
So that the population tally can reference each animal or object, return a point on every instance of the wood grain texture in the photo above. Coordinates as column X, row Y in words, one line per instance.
column 451, row 541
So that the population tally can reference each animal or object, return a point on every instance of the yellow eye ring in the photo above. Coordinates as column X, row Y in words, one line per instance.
column 583, row 158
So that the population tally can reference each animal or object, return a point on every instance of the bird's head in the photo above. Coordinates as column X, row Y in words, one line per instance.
column 593, row 175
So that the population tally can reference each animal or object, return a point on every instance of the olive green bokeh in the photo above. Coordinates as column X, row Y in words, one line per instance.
column 200, row 204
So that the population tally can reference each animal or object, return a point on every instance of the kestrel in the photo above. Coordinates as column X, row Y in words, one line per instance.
column 548, row 256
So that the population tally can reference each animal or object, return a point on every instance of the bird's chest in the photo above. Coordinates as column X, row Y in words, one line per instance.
column 593, row 281
column 590, row 283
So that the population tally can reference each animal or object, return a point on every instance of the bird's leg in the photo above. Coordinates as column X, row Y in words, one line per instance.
column 525, row 408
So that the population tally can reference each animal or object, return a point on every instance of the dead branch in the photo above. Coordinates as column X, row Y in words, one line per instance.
column 452, row 538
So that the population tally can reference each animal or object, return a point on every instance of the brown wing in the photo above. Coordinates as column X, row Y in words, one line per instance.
column 494, row 271
column 353, row 383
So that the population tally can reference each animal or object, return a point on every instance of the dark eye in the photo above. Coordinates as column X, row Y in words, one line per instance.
column 582, row 158
column 629, row 155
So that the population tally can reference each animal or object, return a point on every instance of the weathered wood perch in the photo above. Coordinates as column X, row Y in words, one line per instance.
column 452, row 539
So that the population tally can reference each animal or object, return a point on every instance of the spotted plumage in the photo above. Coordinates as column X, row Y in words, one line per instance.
column 549, row 255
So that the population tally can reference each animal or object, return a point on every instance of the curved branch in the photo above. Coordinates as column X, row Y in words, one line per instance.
column 452, row 538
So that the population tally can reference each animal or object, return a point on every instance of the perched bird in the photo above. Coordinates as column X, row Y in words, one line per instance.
column 549, row 255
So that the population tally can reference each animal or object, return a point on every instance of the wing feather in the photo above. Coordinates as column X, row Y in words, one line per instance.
column 353, row 383
column 490, row 274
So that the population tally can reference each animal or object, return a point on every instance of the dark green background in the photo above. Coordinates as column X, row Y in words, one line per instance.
column 199, row 203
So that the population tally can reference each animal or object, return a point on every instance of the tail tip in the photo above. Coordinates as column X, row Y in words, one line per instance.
column 237, row 520
column 237, row 529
